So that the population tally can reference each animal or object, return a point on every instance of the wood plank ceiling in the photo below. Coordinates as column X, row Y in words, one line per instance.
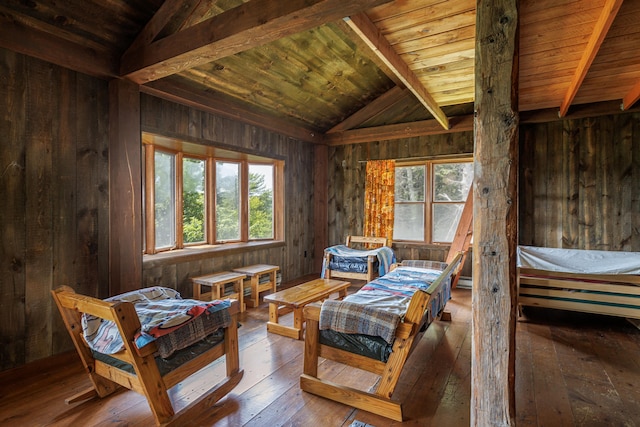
column 334, row 71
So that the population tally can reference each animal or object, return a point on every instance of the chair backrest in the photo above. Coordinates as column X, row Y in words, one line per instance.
column 380, row 241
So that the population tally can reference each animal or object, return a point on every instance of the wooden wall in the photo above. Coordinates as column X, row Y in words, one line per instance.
column 291, row 258
column 580, row 183
column 54, row 196
column 347, row 165
column 54, row 192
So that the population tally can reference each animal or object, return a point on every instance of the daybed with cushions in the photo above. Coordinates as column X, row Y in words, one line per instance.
column 590, row 281
column 349, row 262
column 148, row 341
column 375, row 329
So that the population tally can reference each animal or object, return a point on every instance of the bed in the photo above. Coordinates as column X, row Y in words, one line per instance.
column 589, row 281
column 349, row 262
column 375, row 329
column 148, row 341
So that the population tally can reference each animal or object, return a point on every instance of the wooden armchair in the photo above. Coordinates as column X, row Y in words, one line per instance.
column 146, row 378
column 371, row 271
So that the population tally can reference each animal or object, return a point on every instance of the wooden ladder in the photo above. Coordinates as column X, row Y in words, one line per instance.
column 462, row 239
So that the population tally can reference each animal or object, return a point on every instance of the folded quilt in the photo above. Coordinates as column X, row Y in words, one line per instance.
column 161, row 311
column 354, row 318
column 385, row 255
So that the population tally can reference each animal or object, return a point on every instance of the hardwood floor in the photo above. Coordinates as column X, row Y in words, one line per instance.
column 571, row 370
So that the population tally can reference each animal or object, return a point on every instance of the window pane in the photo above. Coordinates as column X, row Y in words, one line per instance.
column 193, row 215
column 165, row 200
column 445, row 221
column 409, row 184
column 227, row 201
column 408, row 223
column 452, row 181
column 260, row 201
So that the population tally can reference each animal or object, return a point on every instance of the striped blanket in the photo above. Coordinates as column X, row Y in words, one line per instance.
column 161, row 311
column 378, row 307
column 385, row 255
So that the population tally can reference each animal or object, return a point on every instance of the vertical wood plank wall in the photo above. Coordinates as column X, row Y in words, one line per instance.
column 164, row 117
column 580, row 183
column 54, row 195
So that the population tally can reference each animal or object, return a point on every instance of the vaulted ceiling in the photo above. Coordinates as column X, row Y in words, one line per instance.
column 334, row 71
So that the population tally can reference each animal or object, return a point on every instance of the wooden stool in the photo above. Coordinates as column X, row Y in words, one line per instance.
column 218, row 282
column 254, row 272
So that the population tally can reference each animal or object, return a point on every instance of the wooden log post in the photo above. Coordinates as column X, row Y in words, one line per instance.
column 495, row 214
column 125, row 188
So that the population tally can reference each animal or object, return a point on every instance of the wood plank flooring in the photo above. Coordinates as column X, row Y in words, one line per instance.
column 572, row 369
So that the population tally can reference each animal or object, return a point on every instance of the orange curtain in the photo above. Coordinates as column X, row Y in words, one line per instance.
column 378, row 198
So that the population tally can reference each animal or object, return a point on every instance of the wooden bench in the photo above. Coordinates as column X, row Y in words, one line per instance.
column 254, row 273
column 218, row 283
column 295, row 298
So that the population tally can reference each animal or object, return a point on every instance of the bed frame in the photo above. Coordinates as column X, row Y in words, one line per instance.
column 408, row 334
column 371, row 271
column 147, row 380
column 609, row 294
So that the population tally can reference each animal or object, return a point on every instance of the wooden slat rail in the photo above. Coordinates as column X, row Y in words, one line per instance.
column 608, row 294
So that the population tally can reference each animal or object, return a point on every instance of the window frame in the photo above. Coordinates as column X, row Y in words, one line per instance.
column 429, row 203
column 210, row 155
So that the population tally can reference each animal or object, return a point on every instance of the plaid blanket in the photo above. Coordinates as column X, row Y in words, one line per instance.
column 385, row 255
column 378, row 307
column 161, row 311
column 348, row 317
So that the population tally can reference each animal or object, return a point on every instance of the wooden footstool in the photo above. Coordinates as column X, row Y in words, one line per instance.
column 218, row 283
column 254, row 272
column 295, row 298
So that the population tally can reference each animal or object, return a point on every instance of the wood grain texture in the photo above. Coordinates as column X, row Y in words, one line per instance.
column 577, row 186
column 495, row 215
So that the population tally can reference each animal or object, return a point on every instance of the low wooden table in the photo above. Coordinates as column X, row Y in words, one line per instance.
column 217, row 282
column 295, row 298
column 255, row 272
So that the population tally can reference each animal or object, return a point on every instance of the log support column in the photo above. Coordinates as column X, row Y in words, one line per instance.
column 495, row 214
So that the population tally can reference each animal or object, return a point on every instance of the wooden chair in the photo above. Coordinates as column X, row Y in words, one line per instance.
column 371, row 272
column 408, row 334
column 147, row 379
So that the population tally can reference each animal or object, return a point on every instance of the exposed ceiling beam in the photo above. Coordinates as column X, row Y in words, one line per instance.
column 158, row 22
column 632, row 97
column 399, row 131
column 367, row 30
column 580, row 111
column 251, row 24
column 21, row 34
column 183, row 94
column 377, row 106
column 606, row 18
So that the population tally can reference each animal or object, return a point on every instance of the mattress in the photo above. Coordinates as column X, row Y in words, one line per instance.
column 177, row 358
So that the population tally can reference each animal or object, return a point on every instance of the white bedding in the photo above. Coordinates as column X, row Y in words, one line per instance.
column 579, row 260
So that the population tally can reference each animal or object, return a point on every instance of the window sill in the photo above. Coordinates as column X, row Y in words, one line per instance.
column 194, row 253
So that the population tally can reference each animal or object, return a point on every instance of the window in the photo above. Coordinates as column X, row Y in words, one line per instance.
column 429, row 198
column 208, row 196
